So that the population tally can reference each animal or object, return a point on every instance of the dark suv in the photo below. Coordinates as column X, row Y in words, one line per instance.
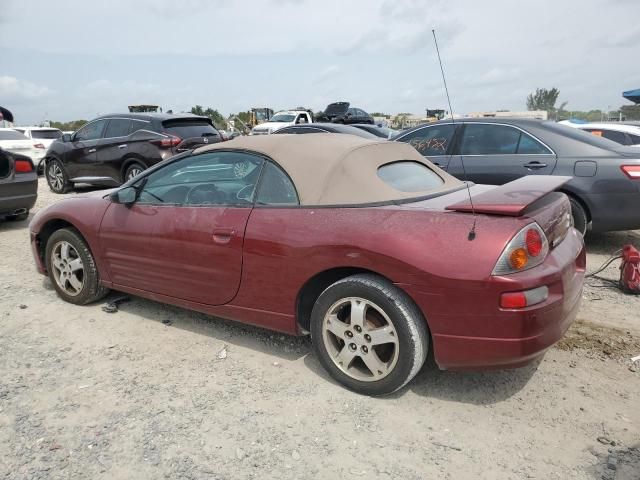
column 342, row 112
column 114, row 148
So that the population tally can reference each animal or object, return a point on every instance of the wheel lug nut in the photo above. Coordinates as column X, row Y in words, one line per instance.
column 357, row 328
column 365, row 349
column 349, row 334
column 352, row 346
column 367, row 337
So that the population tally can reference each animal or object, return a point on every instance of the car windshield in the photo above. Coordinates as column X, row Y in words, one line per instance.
column 282, row 117
column 11, row 135
column 46, row 134
column 189, row 128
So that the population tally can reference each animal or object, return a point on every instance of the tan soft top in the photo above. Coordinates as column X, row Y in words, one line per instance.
column 336, row 169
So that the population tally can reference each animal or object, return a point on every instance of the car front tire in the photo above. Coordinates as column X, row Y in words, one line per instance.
column 56, row 176
column 369, row 335
column 72, row 268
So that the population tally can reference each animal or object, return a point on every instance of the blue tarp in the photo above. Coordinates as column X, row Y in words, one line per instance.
column 632, row 95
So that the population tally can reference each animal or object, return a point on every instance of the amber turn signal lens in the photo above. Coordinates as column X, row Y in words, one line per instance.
column 518, row 258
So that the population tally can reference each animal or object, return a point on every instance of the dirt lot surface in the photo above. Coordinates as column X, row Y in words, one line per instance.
column 159, row 392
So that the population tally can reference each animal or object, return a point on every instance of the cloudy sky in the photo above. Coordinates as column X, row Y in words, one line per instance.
column 70, row 59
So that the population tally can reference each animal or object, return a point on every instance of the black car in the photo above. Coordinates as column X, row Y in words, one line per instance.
column 604, row 191
column 342, row 112
column 326, row 128
column 114, row 148
column 18, row 185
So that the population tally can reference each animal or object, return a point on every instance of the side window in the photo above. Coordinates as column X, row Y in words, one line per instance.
column 635, row 139
column 362, row 113
column 617, row 137
column 530, row 146
column 431, row 141
column 117, row 127
column 351, row 111
column 488, row 139
column 91, row 131
column 212, row 178
column 275, row 187
column 138, row 125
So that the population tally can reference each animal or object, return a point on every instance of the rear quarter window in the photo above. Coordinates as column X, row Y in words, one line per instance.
column 409, row 176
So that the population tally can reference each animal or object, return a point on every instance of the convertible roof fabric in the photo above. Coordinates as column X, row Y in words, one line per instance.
column 337, row 169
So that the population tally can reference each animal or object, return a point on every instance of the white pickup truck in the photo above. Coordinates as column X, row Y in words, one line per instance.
column 282, row 119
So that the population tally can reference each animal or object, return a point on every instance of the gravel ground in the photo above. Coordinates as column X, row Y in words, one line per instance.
column 154, row 391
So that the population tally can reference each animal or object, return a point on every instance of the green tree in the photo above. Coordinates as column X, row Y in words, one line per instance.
column 197, row 110
column 216, row 117
column 73, row 125
column 543, row 99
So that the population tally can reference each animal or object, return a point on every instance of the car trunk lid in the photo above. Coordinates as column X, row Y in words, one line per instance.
column 336, row 109
column 533, row 196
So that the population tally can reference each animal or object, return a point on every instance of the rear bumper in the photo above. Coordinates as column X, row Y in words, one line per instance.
column 478, row 334
column 19, row 194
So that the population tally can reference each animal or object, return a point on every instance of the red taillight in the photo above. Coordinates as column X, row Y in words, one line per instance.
column 168, row 142
column 23, row 166
column 38, row 145
column 523, row 299
column 534, row 242
column 631, row 171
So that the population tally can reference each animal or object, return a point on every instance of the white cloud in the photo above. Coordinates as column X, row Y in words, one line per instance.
column 12, row 88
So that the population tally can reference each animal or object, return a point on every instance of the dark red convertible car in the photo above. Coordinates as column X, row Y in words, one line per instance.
column 364, row 244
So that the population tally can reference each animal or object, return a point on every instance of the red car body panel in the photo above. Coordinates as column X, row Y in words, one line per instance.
column 255, row 271
column 518, row 194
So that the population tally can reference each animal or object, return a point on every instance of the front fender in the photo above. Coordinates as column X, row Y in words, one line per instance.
column 81, row 213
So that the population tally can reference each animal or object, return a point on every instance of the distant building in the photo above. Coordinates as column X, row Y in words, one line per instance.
column 539, row 114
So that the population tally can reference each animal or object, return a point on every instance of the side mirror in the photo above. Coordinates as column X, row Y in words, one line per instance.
column 66, row 137
column 124, row 196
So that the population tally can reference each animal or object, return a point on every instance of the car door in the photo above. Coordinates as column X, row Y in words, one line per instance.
column 112, row 148
column 435, row 142
column 495, row 154
column 183, row 237
column 81, row 158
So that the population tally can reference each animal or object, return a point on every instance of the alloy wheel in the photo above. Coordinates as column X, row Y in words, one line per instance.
column 56, row 176
column 67, row 268
column 360, row 339
column 133, row 172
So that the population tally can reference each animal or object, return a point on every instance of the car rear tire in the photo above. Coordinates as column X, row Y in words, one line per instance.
column 72, row 269
column 580, row 219
column 369, row 335
column 57, row 178
column 133, row 170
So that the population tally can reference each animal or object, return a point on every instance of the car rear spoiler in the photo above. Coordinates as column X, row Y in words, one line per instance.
column 512, row 198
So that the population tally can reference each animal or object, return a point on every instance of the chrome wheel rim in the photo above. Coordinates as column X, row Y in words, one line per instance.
column 67, row 268
column 56, row 177
column 361, row 339
column 134, row 172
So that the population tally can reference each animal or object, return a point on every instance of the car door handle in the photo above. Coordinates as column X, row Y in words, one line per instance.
column 91, row 150
column 124, row 145
column 535, row 165
column 223, row 235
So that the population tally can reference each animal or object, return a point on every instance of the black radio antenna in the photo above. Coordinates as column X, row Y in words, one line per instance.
column 472, row 232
